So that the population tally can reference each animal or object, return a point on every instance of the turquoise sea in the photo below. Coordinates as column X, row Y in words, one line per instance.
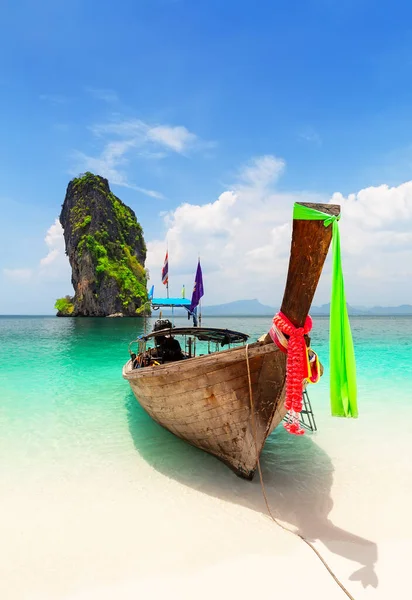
column 93, row 491
column 62, row 393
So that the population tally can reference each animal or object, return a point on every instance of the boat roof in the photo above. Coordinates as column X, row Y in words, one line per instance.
column 170, row 302
column 208, row 334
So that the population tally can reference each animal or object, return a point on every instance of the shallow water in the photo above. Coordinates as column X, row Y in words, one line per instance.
column 63, row 397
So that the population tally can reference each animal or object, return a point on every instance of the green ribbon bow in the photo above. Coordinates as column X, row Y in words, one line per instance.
column 342, row 355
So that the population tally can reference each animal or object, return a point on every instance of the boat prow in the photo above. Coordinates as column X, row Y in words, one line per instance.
column 205, row 400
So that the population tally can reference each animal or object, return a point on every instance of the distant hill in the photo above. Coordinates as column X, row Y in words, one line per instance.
column 255, row 308
column 387, row 311
column 238, row 308
column 404, row 309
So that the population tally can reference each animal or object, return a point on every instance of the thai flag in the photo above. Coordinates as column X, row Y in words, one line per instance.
column 165, row 270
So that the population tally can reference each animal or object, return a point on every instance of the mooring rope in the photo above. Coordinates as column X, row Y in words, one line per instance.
column 299, row 535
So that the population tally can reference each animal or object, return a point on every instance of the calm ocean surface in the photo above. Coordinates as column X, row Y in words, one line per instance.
column 64, row 404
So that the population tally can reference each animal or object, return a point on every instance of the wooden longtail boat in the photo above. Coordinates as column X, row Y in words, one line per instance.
column 205, row 400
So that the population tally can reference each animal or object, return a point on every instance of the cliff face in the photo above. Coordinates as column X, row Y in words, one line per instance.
column 106, row 250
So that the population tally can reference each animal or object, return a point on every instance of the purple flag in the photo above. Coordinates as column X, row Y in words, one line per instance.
column 197, row 288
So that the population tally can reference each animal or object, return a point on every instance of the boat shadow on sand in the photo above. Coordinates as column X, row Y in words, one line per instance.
column 298, row 484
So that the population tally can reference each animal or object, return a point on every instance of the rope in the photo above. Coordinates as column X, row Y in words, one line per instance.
column 299, row 535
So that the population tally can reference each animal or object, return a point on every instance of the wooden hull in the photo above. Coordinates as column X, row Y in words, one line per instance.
column 205, row 400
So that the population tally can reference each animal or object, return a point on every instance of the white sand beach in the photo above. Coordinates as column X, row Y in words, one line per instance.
column 161, row 519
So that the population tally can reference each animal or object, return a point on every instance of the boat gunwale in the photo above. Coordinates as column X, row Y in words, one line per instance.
column 188, row 364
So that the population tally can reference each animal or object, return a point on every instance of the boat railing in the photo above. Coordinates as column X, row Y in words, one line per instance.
column 196, row 342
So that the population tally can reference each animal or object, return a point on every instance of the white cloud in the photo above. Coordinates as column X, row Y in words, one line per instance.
column 244, row 241
column 376, row 230
column 150, row 193
column 175, row 138
column 134, row 139
column 52, row 256
column 52, row 267
column 262, row 171
column 55, row 265
column 108, row 163
column 178, row 139
column 381, row 207
column 243, row 237
column 54, row 236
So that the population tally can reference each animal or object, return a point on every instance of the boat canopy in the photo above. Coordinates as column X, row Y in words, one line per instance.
column 170, row 303
column 206, row 334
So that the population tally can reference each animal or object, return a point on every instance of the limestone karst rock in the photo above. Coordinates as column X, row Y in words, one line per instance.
column 106, row 250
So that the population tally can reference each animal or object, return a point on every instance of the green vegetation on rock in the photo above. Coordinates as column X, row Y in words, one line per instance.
column 106, row 249
column 64, row 305
column 129, row 274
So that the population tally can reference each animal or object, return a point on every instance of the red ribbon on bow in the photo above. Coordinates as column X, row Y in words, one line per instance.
column 295, row 368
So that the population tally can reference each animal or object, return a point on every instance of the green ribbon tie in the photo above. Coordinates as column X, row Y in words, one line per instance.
column 343, row 392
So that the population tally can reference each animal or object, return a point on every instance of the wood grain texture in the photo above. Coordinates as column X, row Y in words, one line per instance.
column 210, row 407
column 310, row 245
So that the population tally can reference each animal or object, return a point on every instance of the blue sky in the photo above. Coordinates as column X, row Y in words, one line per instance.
column 175, row 99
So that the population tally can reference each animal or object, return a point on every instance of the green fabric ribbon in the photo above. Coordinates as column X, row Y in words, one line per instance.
column 342, row 355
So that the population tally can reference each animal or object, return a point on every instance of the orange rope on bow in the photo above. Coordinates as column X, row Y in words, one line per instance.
column 295, row 368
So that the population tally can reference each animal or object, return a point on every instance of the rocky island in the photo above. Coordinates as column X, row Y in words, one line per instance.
column 106, row 250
